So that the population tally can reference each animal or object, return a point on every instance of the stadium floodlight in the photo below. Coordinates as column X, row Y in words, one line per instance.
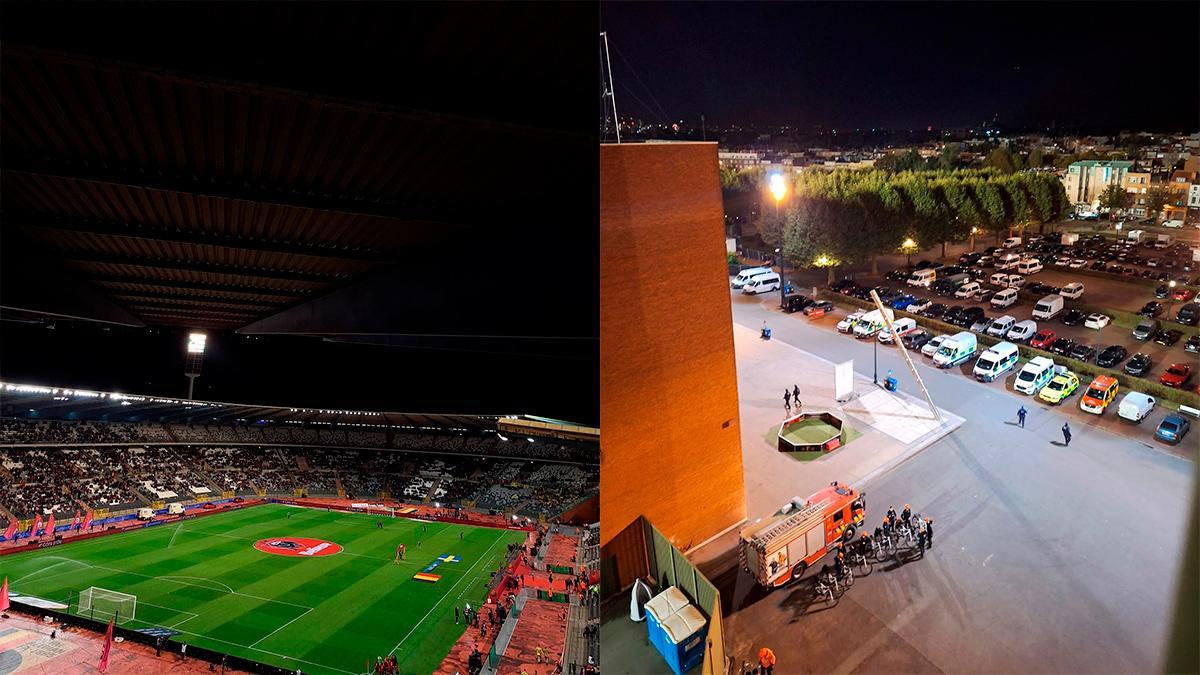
column 195, row 359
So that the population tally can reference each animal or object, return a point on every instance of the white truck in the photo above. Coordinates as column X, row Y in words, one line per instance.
column 956, row 349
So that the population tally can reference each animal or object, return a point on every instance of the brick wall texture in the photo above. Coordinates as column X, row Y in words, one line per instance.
column 670, row 447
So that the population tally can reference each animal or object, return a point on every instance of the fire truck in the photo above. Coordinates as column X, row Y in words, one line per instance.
column 781, row 548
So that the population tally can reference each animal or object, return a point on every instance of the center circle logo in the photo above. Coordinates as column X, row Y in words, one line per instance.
column 300, row 547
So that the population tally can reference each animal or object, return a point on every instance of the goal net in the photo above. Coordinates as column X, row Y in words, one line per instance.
column 103, row 604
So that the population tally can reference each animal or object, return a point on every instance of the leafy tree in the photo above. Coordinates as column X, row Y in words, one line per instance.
column 1037, row 157
column 1016, row 203
column 1001, row 160
column 1041, row 201
column 991, row 199
column 900, row 161
column 1156, row 198
column 960, row 208
column 929, row 217
column 1114, row 198
column 950, row 157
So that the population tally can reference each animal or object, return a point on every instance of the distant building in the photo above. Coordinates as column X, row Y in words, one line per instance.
column 1085, row 180
column 739, row 160
column 1137, row 184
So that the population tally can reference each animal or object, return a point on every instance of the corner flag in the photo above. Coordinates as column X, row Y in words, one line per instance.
column 107, row 646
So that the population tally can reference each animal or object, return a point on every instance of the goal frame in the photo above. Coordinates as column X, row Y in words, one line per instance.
column 92, row 593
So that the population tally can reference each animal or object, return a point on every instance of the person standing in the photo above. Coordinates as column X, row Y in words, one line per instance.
column 766, row 661
column 921, row 535
column 1066, row 429
column 1021, row 417
column 456, row 615
column 796, row 394
column 787, row 400
column 929, row 532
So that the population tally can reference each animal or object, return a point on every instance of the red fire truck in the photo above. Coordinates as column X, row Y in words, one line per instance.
column 780, row 548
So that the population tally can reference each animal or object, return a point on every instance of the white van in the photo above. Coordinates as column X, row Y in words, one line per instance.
column 1135, row 406
column 871, row 323
column 968, row 290
column 175, row 509
column 1005, row 298
column 763, row 283
column 922, row 278
column 1022, row 331
column 996, row 361
column 1072, row 290
column 1007, row 261
column 1029, row 266
column 1012, row 242
column 1001, row 326
column 902, row 327
column 145, row 514
column 1034, row 375
column 999, row 279
column 1048, row 307
column 746, row 275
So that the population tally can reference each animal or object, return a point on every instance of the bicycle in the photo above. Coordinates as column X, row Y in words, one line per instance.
column 860, row 559
column 824, row 590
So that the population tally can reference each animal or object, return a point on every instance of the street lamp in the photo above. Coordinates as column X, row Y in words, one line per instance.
column 778, row 188
column 974, row 231
column 1171, row 298
column 908, row 246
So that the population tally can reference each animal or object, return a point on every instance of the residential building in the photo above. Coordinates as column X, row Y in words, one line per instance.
column 1085, row 180
column 739, row 160
column 1137, row 184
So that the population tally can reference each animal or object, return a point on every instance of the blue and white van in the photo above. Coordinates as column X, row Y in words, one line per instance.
column 996, row 361
column 1034, row 375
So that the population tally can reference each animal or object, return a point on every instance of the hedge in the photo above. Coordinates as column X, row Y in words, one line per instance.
column 1081, row 368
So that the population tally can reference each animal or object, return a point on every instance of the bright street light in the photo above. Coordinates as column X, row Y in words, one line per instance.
column 778, row 187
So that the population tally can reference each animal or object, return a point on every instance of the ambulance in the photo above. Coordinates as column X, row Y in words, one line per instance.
column 781, row 548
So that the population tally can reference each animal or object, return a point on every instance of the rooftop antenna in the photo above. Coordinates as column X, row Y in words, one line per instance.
column 609, row 93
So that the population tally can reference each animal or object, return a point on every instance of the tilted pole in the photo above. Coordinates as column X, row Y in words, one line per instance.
column 904, row 352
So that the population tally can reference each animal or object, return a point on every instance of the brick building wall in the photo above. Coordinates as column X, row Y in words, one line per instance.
column 671, row 447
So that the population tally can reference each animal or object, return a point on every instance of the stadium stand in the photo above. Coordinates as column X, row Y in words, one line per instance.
column 65, row 465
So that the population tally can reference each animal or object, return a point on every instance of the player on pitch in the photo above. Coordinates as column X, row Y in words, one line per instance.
column 400, row 553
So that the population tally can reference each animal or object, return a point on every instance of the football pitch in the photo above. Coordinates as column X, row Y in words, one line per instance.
column 300, row 605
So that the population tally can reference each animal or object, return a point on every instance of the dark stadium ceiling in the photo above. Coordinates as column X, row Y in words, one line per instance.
column 206, row 203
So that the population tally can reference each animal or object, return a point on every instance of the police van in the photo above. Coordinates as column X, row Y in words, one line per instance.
column 996, row 361
column 1034, row 375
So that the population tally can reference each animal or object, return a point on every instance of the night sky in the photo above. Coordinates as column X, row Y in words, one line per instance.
column 1095, row 66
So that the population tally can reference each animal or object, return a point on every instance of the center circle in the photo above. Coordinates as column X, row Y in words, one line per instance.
column 299, row 547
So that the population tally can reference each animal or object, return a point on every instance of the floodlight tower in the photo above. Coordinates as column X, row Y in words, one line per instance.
column 195, row 359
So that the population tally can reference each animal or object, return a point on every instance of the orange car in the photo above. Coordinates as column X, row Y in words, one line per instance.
column 1099, row 394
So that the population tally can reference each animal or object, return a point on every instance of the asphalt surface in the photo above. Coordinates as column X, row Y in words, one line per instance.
column 1046, row 558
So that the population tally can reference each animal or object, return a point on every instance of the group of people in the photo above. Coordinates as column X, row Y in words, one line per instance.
column 790, row 396
column 387, row 666
column 893, row 524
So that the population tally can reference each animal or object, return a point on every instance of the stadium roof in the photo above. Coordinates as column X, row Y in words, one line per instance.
column 188, row 200
column 48, row 403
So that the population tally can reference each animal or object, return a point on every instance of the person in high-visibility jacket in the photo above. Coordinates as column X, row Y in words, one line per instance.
column 766, row 660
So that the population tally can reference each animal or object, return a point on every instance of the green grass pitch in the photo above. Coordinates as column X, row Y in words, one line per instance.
column 809, row 430
column 203, row 578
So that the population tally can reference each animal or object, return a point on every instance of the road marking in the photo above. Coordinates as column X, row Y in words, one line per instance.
column 281, row 628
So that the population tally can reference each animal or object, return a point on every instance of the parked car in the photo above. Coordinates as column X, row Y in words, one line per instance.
column 919, row 305
column 1162, row 291
column 1182, row 294
column 1193, row 344
column 1043, row 339
column 1072, row 291
column 1082, row 352
column 846, row 325
column 794, row 302
column 902, row 326
column 968, row 316
column 903, row 301
column 917, row 339
column 1168, row 338
column 1059, row 388
column 1062, row 346
column 1145, row 329
column 1152, row 308
column 1022, row 331
column 1110, row 356
column 1172, row 429
column 934, row 311
column 984, row 294
column 1004, row 298
column 1189, row 314
column 1101, row 392
column 843, row 286
column 818, row 309
column 1176, row 375
column 1139, row 365
column 968, row 290
column 981, row 324
column 1072, row 317
column 951, row 314
column 898, row 274
column 1096, row 321
column 930, row 348
column 1001, row 326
